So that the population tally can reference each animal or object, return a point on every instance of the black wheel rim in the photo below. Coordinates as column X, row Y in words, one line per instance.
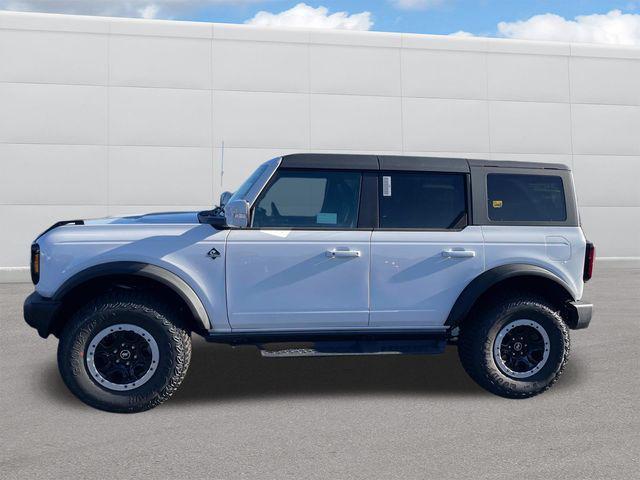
column 122, row 357
column 521, row 348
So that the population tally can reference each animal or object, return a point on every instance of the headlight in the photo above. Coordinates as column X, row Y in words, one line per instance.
column 35, row 263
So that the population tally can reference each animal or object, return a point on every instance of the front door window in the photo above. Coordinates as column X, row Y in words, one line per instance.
column 309, row 199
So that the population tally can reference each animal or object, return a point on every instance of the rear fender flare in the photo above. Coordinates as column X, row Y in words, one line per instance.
column 483, row 282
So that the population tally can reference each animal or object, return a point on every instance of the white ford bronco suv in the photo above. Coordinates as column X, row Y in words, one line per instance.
column 324, row 254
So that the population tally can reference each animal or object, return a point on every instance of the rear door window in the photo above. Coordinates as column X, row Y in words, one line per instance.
column 423, row 200
column 310, row 199
column 525, row 198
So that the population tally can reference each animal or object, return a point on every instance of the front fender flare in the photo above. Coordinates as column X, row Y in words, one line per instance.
column 486, row 280
column 146, row 270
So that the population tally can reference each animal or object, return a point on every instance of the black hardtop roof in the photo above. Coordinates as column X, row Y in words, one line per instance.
column 398, row 162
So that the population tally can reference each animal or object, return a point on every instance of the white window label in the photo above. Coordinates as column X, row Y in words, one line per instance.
column 386, row 186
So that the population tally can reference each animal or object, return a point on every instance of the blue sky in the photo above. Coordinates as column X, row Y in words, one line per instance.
column 476, row 16
column 599, row 21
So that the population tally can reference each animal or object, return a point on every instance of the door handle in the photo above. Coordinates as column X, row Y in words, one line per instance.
column 333, row 253
column 450, row 253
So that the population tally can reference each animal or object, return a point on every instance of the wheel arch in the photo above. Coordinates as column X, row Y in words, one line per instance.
column 127, row 274
column 508, row 277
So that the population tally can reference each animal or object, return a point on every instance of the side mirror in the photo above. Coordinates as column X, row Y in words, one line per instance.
column 224, row 198
column 237, row 214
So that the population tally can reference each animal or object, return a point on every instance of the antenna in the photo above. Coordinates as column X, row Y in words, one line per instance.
column 221, row 166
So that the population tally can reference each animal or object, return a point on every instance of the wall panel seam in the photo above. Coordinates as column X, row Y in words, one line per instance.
column 570, row 108
column 108, row 121
column 486, row 73
column 156, row 87
column 308, row 93
column 292, row 92
column 402, row 149
column 266, row 147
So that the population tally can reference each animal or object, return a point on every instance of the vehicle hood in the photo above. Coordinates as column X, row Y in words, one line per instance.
column 148, row 218
column 175, row 241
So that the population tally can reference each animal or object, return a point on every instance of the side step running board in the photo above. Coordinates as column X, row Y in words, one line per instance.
column 310, row 352
column 346, row 348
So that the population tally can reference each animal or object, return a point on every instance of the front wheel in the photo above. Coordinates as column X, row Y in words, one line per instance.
column 124, row 352
column 516, row 349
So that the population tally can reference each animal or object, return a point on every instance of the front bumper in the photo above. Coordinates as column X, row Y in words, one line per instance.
column 40, row 313
column 579, row 314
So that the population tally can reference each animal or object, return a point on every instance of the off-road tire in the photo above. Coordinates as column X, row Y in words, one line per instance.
column 162, row 320
column 478, row 334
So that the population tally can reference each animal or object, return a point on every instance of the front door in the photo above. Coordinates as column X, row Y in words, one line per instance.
column 303, row 264
column 424, row 253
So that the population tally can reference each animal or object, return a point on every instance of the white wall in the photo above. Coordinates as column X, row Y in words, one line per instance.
column 104, row 116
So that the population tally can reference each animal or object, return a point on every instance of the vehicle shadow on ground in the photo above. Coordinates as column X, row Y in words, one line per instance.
column 221, row 373
column 225, row 373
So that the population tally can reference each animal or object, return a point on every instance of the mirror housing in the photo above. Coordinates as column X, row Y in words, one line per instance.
column 213, row 218
column 237, row 213
column 224, row 198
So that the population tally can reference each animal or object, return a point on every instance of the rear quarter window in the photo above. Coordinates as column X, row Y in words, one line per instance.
column 525, row 198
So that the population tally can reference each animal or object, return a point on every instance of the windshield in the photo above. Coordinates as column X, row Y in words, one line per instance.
column 244, row 189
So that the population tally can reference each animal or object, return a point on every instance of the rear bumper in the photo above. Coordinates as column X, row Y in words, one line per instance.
column 40, row 312
column 579, row 314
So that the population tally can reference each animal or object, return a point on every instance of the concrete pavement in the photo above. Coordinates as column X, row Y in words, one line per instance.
column 238, row 415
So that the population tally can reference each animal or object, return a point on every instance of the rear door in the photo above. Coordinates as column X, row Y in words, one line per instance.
column 304, row 263
column 424, row 252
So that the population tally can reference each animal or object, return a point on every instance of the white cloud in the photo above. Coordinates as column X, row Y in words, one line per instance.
column 461, row 33
column 117, row 8
column 150, row 11
column 614, row 27
column 302, row 15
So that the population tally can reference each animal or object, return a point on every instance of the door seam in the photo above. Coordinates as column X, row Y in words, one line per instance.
column 369, row 278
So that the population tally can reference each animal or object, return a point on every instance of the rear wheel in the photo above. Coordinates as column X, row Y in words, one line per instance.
column 517, row 348
column 124, row 352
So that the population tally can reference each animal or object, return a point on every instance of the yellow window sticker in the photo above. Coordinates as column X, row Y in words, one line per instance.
column 497, row 204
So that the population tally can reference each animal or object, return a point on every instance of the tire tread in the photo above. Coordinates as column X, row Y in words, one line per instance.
column 166, row 315
column 475, row 341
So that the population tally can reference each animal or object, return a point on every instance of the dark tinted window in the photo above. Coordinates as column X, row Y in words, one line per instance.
column 311, row 199
column 423, row 200
column 533, row 198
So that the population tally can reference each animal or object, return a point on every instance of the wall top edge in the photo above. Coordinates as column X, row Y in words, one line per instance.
column 94, row 24
column 162, row 28
column 53, row 22
column 226, row 31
